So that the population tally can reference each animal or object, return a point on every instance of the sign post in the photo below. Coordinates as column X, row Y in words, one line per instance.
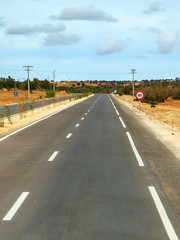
column 15, row 95
column 139, row 96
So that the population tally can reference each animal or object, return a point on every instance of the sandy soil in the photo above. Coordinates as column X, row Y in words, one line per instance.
column 24, row 119
column 167, row 112
column 164, row 120
column 7, row 97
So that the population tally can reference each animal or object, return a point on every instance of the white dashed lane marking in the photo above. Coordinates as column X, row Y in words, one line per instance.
column 53, row 156
column 122, row 122
column 117, row 112
column 69, row 135
column 15, row 207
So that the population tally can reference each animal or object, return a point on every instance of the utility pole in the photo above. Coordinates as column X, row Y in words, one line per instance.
column 28, row 69
column 133, row 71
column 54, row 81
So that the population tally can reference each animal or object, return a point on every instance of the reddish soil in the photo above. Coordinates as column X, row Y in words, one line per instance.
column 7, row 97
column 167, row 112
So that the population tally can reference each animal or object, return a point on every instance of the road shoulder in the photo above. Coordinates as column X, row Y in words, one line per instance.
column 158, row 144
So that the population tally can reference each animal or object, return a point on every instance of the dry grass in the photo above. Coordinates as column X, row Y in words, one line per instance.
column 7, row 97
column 167, row 112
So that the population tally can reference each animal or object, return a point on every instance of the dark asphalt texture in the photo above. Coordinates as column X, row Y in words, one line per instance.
column 93, row 190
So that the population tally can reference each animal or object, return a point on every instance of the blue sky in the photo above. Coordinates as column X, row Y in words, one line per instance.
column 92, row 39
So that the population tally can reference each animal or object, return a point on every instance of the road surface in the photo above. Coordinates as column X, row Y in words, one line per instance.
column 79, row 175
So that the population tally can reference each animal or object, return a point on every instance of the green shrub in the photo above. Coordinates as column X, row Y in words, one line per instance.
column 50, row 94
column 1, row 120
column 175, row 93
column 8, row 113
column 127, row 90
column 154, row 95
column 120, row 92
column 31, row 106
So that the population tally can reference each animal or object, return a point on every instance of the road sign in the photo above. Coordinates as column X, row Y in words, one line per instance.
column 139, row 95
column 15, row 94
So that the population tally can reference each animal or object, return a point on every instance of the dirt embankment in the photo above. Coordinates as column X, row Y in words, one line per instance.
column 167, row 112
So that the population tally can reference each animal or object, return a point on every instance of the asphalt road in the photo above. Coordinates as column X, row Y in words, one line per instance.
column 80, row 175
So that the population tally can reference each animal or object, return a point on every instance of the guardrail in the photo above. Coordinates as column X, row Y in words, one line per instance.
column 28, row 106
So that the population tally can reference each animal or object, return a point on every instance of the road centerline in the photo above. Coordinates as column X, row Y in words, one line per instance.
column 69, row 135
column 117, row 112
column 122, row 122
column 15, row 207
column 53, row 156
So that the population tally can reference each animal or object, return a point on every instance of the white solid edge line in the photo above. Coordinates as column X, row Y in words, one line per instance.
column 50, row 115
column 77, row 125
column 69, row 135
column 122, row 122
column 53, row 156
column 138, row 157
column 164, row 217
column 15, row 207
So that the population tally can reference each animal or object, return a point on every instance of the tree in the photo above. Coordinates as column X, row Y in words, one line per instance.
column 2, row 83
column 36, row 83
column 9, row 83
column 46, row 85
column 127, row 89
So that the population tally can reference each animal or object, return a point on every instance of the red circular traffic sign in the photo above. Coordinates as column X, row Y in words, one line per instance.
column 139, row 95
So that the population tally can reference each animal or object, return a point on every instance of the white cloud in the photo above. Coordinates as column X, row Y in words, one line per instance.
column 61, row 39
column 112, row 46
column 139, row 56
column 155, row 6
column 2, row 22
column 84, row 13
column 55, row 55
column 153, row 30
column 167, row 41
column 26, row 29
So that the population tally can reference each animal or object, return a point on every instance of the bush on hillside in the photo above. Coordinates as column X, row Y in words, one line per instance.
column 155, row 95
column 175, row 93
column 50, row 94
